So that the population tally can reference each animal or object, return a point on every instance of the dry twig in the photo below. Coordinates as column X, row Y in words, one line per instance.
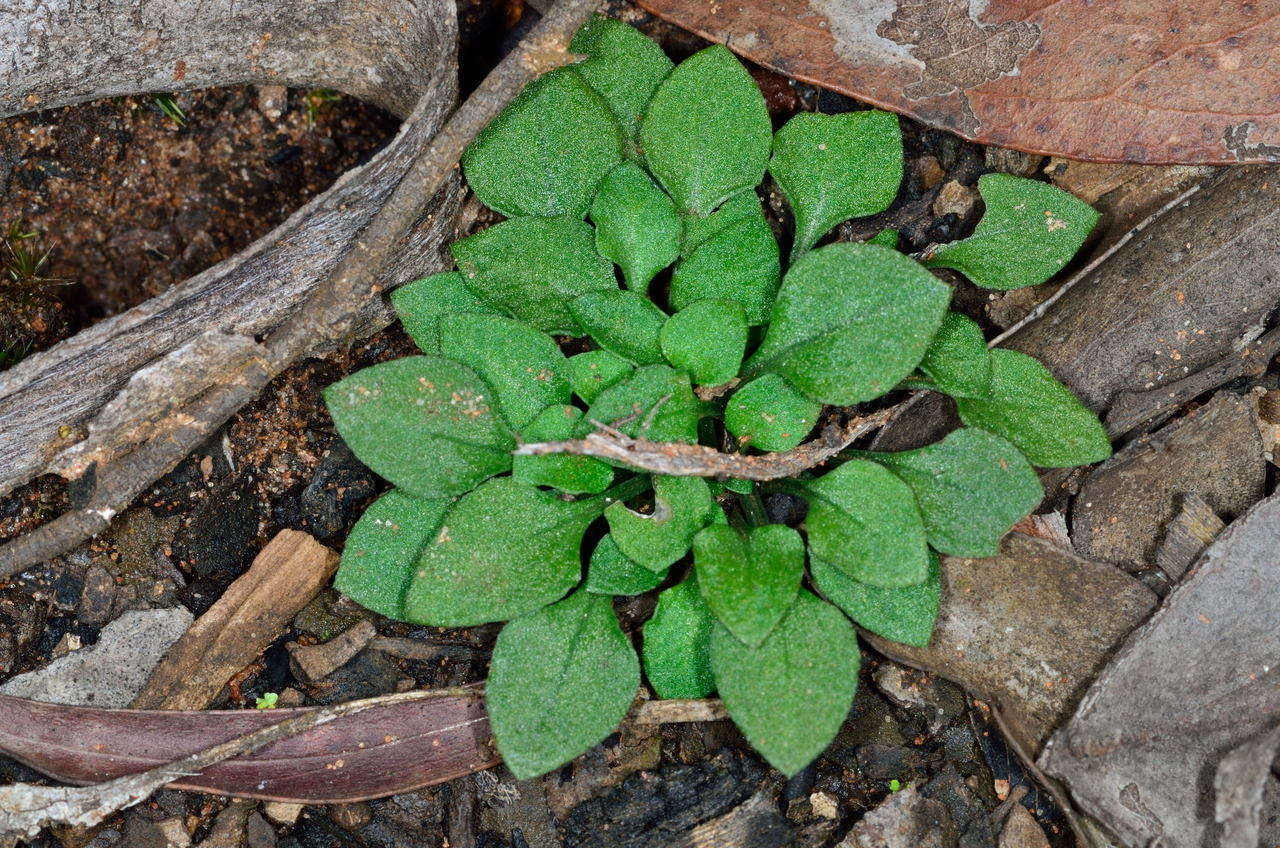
column 682, row 460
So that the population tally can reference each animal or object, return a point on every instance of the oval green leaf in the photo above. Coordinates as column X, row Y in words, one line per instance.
column 624, row 65
column 790, row 694
column 547, row 151
column 503, row 550
column 532, row 267
column 738, row 263
column 425, row 423
column 850, row 322
column 864, row 520
column 835, row 167
column 561, row 680
column 706, row 132
column 749, row 583
column 677, row 643
column 971, row 487
column 707, row 339
column 1029, row 232
column 1029, row 407
column 637, row 225
column 905, row 615
column 622, row 322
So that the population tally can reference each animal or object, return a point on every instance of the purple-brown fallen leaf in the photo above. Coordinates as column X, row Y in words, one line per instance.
column 1104, row 80
column 381, row 751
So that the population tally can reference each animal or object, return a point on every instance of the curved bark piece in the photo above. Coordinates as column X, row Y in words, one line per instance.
column 1103, row 80
column 383, row 750
column 396, row 53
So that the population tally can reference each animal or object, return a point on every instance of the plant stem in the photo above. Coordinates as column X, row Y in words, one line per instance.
column 627, row 489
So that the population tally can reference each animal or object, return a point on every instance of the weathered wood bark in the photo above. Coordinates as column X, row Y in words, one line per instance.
column 395, row 53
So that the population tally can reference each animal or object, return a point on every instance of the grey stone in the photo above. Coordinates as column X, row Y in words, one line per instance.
column 111, row 672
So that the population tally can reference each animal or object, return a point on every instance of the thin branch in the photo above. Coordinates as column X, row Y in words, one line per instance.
column 680, row 460
column 26, row 808
column 330, row 312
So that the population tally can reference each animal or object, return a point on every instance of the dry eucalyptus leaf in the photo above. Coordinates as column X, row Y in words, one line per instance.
column 1181, row 698
column 1122, row 80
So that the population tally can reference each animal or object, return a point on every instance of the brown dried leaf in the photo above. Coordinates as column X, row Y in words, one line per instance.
column 1173, row 742
column 378, row 752
column 1120, row 80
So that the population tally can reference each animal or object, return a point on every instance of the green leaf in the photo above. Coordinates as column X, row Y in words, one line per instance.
column 957, row 361
column 573, row 474
column 835, row 167
column 790, row 694
column 655, row 403
column 887, row 237
column 905, row 615
column 707, row 338
column 682, row 506
column 532, row 267
column 863, row 520
column 1029, row 231
column 623, row 65
column 610, row 572
column 769, row 415
column 738, row 263
column 421, row 303
column 749, row 583
column 622, row 322
column 382, row 550
column 504, row 549
column 851, row 321
column 1030, row 408
column 706, row 133
column 971, row 487
column 593, row 371
column 699, row 228
column 425, row 423
column 561, row 680
column 636, row 225
column 547, row 151
column 677, row 643
column 523, row 366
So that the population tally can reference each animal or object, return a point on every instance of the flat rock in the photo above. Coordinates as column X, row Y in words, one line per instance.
column 1027, row 629
column 1178, row 733
column 905, row 819
column 1125, row 505
column 1021, row 830
column 111, row 672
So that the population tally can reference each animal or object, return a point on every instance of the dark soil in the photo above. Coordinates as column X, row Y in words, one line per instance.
column 128, row 203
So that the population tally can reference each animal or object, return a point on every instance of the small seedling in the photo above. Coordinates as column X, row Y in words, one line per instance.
column 317, row 100
column 618, row 169
column 168, row 106
column 266, row 701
